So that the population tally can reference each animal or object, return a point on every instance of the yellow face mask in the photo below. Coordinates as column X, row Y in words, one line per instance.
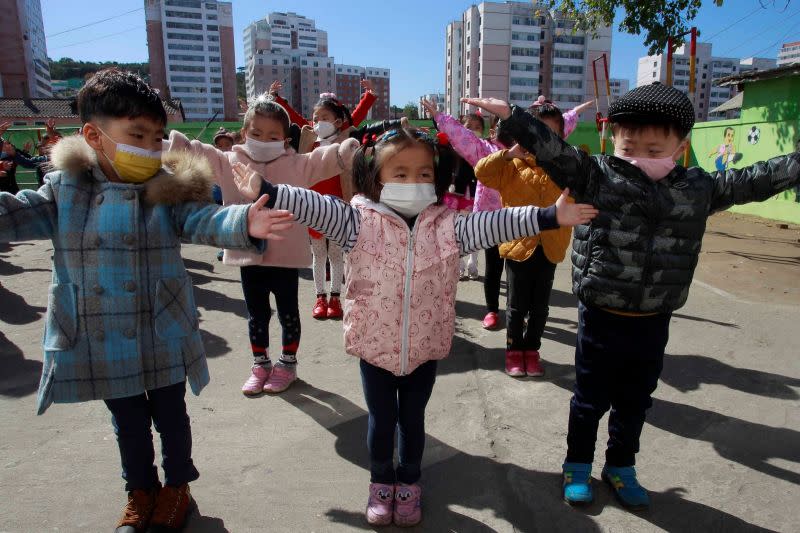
column 133, row 164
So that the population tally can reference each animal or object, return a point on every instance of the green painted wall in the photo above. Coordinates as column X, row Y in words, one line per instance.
column 770, row 108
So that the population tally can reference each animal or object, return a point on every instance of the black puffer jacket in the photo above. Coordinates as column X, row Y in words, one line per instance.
column 640, row 253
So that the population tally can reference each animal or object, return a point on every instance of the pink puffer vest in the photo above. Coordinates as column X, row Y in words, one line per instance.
column 399, row 299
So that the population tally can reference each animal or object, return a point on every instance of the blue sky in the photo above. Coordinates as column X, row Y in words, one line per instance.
column 406, row 36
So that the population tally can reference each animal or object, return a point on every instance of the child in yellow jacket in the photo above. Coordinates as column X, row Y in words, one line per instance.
column 531, row 261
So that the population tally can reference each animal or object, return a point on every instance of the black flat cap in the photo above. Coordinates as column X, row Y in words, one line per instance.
column 654, row 104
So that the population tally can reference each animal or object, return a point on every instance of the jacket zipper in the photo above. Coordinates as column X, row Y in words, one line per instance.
column 651, row 226
column 407, row 300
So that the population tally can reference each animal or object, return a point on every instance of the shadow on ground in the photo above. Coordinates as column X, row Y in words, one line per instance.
column 527, row 499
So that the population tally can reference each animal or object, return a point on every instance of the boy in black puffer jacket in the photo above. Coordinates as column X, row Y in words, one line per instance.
column 633, row 265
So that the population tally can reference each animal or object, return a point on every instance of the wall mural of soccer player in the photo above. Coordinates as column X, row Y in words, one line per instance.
column 726, row 154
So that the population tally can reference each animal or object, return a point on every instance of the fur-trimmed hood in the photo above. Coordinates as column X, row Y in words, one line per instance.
column 184, row 176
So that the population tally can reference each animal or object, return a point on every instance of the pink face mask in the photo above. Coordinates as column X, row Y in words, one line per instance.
column 655, row 168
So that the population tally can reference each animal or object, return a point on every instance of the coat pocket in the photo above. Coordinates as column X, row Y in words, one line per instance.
column 175, row 315
column 61, row 324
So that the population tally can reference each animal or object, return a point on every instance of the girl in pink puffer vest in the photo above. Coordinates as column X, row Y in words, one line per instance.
column 402, row 248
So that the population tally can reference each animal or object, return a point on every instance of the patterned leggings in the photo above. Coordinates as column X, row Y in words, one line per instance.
column 323, row 251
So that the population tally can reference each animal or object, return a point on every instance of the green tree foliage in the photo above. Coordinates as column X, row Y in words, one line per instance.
column 66, row 68
column 410, row 111
column 658, row 20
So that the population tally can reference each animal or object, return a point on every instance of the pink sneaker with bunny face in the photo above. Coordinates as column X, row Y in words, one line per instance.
column 380, row 504
column 407, row 505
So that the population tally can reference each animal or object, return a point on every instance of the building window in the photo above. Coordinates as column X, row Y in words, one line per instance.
column 213, row 38
column 187, row 79
column 183, row 25
column 183, row 3
column 212, row 27
column 184, row 14
column 524, row 52
column 525, row 67
column 568, row 54
column 179, row 57
column 216, row 80
column 180, row 46
column 517, row 36
column 211, row 17
column 212, row 7
column 186, row 68
column 524, row 82
column 213, row 48
column 570, row 39
column 184, row 37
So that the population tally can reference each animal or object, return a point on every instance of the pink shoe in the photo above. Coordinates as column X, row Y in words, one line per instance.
column 490, row 321
column 515, row 365
column 407, row 505
column 255, row 383
column 380, row 504
column 533, row 364
column 281, row 379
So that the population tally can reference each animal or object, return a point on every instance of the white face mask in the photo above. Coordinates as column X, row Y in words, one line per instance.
column 325, row 131
column 264, row 152
column 408, row 199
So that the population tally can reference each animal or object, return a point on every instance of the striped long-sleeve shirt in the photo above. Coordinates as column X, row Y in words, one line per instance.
column 340, row 222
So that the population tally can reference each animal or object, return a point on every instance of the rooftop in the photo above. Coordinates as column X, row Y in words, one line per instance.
column 58, row 107
column 758, row 75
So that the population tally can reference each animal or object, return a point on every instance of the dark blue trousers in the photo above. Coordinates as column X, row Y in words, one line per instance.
column 396, row 402
column 618, row 361
column 132, row 416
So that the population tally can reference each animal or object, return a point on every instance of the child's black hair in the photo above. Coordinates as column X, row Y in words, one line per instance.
column 266, row 106
column 113, row 93
column 635, row 126
column 370, row 157
column 549, row 110
column 501, row 136
column 338, row 109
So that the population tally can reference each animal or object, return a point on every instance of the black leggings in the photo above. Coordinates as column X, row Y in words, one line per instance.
column 492, row 275
column 529, row 285
column 257, row 284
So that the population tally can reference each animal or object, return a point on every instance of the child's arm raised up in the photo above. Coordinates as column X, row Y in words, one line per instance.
column 567, row 166
column 755, row 183
column 466, row 144
column 294, row 116
column 326, row 162
column 329, row 215
column 485, row 229
column 30, row 215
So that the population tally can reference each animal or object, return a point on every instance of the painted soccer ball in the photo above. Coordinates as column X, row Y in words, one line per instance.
column 754, row 136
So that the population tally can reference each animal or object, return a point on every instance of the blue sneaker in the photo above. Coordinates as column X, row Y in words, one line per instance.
column 577, row 483
column 626, row 487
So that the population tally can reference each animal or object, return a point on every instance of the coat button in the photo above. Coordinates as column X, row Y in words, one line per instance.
column 99, row 199
column 130, row 333
column 99, row 335
column 129, row 195
column 129, row 286
column 98, row 289
column 128, row 239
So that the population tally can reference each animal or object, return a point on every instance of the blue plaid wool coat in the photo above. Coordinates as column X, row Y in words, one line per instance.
column 121, row 317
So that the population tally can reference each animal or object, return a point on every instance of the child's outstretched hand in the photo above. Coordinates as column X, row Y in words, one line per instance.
column 247, row 181
column 275, row 88
column 492, row 105
column 569, row 214
column 263, row 223
column 516, row 152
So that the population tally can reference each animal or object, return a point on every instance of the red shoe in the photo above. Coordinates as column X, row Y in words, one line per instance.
column 533, row 364
column 335, row 308
column 490, row 321
column 515, row 365
column 320, row 311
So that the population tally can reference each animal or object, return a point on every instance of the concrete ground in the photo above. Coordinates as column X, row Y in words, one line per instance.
column 720, row 452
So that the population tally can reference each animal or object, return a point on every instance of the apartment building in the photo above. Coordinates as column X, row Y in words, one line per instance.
column 519, row 50
column 438, row 99
column 619, row 87
column 789, row 53
column 190, row 44
column 708, row 68
column 290, row 48
column 24, row 68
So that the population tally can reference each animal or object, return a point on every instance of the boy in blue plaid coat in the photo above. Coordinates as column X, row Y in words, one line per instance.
column 121, row 323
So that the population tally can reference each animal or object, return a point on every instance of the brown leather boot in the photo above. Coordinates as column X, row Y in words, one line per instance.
column 137, row 513
column 172, row 507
